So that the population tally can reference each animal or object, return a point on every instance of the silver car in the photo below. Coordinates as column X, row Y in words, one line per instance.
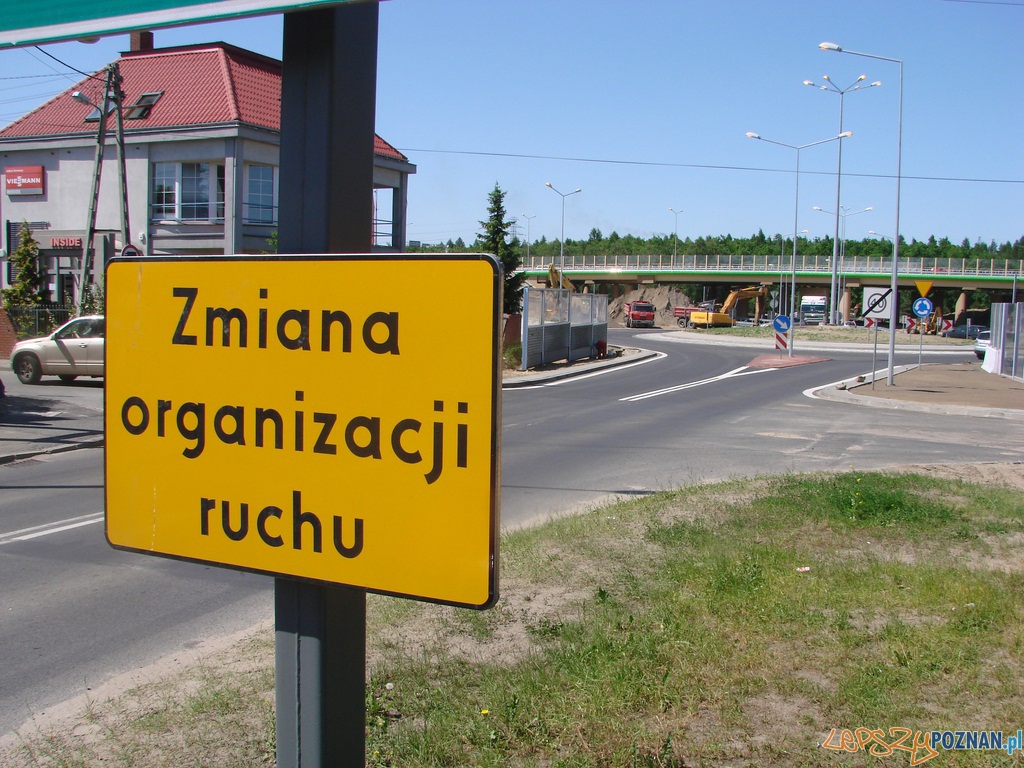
column 981, row 344
column 75, row 349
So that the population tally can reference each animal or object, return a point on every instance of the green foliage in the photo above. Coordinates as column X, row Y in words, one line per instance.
column 29, row 284
column 512, row 355
column 94, row 300
column 495, row 239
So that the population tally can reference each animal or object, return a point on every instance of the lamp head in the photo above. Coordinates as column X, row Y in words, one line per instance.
column 870, row 208
column 829, row 47
column 816, row 208
column 81, row 97
column 862, row 77
column 547, row 183
column 845, row 134
column 752, row 135
column 877, row 82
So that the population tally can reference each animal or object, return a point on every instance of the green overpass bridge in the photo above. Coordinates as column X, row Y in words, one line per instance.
column 811, row 271
column 812, row 274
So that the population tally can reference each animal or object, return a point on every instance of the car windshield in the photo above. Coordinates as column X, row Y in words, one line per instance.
column 643, row 307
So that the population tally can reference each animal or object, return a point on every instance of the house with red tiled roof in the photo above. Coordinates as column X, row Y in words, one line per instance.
column 201, row 127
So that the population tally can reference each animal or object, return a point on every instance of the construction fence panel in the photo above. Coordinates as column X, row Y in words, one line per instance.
column 1005, row 340
column 561, row 325
column 588, row 324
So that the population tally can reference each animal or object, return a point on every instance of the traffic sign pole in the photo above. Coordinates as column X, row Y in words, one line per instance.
column 329, row 71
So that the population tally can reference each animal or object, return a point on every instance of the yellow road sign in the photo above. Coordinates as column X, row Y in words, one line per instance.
column 923, row 286
column 334, row 418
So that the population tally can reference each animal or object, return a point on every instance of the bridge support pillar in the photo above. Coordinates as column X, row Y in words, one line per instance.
column 961, row 308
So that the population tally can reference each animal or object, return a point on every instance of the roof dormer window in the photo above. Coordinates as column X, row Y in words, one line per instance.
column 142, row 106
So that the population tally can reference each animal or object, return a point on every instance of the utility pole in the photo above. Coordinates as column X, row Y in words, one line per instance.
column 111, row 94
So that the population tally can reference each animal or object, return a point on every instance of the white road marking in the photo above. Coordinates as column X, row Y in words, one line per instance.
column 741, row 371
column 37, row 531
column 580, row 377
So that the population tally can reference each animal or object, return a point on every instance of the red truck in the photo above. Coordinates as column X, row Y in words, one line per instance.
column 638, row 314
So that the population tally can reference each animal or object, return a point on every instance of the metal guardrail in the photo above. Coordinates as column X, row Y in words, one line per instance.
column 1005, row 268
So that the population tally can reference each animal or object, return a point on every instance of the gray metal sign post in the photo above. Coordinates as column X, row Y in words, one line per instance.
column 328, row 101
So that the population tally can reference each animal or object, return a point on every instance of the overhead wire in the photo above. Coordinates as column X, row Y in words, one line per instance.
column 700, row 166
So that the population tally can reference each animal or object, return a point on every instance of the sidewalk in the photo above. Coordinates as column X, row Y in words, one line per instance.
column 951, row 388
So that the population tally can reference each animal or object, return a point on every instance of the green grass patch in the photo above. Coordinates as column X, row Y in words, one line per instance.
column 729, row 624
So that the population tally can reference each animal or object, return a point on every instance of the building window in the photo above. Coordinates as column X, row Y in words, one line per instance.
column 165, row 186
column 186, row 192
column 261, row 195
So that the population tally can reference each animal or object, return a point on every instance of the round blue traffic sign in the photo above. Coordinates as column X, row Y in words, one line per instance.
column 782, row 324
column 923, row 307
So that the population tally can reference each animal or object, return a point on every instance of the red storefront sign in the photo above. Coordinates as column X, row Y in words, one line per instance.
column 26, row 180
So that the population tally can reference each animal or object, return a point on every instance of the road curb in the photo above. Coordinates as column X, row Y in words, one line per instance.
column 10, row 458
column 572, row 370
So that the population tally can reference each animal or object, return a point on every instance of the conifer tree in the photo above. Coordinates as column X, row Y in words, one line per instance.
column 495, row 240
column 25, row 290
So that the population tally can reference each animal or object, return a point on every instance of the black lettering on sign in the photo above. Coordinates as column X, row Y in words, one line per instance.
column 294, row 328
column 364, row 437
column 302, row 522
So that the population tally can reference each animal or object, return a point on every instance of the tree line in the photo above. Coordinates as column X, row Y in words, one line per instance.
column 760, row 244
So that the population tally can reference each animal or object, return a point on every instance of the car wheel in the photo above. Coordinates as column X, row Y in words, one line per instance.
column 67, row 378
column 28, row 369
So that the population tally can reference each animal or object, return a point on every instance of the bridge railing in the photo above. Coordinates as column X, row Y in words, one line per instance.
column 776, row 264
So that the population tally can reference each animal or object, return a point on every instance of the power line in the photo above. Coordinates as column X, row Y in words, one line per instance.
column 986, row 2
column 657, row 164
column 65, row 64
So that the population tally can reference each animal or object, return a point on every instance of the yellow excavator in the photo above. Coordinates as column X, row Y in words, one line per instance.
column 557, row 280
column 722, row 317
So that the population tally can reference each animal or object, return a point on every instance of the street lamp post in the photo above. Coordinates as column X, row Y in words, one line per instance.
column 675, row 234
column 841, row 242
column 833, row 88
column 528, row 218
column 895, row 311
column 561, row 239
column 796, row 212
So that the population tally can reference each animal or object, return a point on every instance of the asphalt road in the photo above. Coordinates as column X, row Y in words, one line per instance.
column 76, row 612
column 697, row 415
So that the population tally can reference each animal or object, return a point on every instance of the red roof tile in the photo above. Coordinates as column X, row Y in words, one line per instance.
column 202, row 85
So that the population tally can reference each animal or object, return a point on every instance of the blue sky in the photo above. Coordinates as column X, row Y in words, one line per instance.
column 644, row 105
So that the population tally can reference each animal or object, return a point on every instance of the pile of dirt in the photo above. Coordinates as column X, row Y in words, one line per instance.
column 663, row 297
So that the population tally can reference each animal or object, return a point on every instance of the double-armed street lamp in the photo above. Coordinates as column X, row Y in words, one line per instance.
column 843, row 213
column 831, row 87
column 894, row 312
column 796, row 208
column 561, row 240
column 675, row 233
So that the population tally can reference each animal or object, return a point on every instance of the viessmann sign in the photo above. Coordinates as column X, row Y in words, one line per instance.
column 53, row 20
column 317, row 417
